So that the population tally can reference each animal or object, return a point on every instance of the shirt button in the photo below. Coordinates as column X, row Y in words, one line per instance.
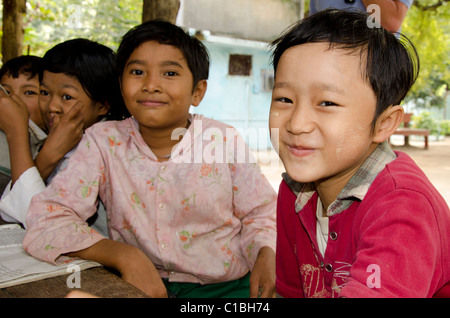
column 329, row 268
column 163, row 168
column 163, row 246
column 333, row 236
column 161, row 205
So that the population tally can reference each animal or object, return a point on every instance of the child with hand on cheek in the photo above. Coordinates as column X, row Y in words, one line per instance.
column 354, row 218
column 180, row 226
column 19, row 78
column 78, row 87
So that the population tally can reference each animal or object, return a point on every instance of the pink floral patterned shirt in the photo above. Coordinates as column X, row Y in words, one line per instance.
column 200, row 217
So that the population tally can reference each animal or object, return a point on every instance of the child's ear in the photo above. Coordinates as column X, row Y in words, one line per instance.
column 103, row 108
column 388, row 123
column 199, row 92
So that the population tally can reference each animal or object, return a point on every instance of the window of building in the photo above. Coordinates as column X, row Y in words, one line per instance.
column 240, row 65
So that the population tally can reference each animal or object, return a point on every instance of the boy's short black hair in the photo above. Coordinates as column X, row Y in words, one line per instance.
column 26, row 64
column 392, row 64
column 94, row 66
column 164, row 32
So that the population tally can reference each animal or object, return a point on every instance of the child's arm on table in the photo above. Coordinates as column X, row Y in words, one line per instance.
column 56, row 222
column 134, row 266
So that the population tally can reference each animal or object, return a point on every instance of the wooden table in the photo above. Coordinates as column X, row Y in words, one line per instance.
column 97, row 281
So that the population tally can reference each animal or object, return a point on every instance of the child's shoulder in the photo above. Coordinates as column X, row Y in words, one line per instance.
column 406, row 173
column 111, row 127
column 403, row 175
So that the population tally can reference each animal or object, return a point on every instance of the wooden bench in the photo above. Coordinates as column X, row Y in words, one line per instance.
column 413, row 131
column 407, row 131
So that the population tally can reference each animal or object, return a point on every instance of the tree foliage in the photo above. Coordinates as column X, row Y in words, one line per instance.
column 49, row 22
column 427, row 26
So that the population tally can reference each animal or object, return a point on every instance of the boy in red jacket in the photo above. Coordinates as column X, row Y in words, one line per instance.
column 355, row 219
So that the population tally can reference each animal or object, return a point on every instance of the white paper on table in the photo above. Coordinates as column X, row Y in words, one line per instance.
column 19, row 267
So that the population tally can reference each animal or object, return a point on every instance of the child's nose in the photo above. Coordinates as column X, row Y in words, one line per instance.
column 152, row 83
column 301, row 121
column 54, row 106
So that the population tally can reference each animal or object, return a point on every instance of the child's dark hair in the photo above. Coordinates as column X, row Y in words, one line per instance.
column 392, row 64
column 164, row 32
column 94, row 66
column 26, row 64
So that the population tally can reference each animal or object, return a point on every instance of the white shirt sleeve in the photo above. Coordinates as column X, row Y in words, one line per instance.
column 16, row 200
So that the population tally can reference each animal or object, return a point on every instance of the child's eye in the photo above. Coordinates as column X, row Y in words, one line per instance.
column 44, row 93
column 327, row 103
column 171, row 73
column 284, row 100
column 30, row 93
column 66, row 97
column 137, row 72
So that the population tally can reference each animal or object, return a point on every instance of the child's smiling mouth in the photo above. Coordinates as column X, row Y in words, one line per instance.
column 152, row 103
column 300, row 151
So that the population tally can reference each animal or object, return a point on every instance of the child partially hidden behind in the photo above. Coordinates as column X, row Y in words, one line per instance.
column 355, row 219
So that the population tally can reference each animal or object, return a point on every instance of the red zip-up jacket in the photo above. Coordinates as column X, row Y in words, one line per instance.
column 393, row 243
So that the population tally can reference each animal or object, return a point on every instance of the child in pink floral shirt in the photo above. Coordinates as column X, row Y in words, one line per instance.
column 189, row 214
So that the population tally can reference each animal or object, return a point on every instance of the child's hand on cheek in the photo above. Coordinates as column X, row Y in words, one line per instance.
column 14, row 123
column 64, row 135
column 14, row 118
column 67, row 131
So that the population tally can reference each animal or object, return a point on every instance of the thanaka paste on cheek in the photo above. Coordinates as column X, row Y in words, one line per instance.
column 351, row 139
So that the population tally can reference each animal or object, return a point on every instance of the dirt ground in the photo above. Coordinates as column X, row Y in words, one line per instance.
column 435, row 162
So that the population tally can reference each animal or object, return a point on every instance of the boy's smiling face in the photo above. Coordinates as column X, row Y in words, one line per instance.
column 157, row 86
column 324, row 111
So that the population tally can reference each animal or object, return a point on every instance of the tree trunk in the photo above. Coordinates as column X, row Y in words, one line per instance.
column 160, row 9
column 13, row 13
